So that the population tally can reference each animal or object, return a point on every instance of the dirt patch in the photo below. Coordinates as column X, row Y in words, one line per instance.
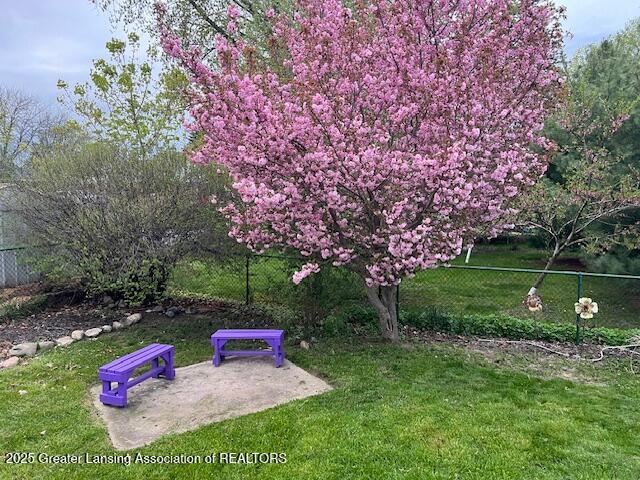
column 544, row 359
column 54, row 323
column 569, row 263
column 28, row 290
column 568, row 350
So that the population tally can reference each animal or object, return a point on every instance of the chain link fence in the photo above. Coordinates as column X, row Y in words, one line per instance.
column 12, row 271
column 455, row 289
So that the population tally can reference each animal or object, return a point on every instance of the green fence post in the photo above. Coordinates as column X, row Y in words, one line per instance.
column 247, row 297
column 578, row 339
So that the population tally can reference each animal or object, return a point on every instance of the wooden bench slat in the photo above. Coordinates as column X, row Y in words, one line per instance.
column 133, row 363
column 246, row 334
column 129, row 356
column 246, row 353
column 138, row 358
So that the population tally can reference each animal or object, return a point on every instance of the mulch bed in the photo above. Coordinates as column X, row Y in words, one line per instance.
column 537, row 347
column 57, row 323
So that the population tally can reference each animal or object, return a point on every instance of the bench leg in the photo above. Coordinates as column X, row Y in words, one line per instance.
column 279, row 354
column 169, row 371
column 218, row 345
column 216, row 353
column 122, row 394
column 106, row 387
column 155, row 364
column 116, row 397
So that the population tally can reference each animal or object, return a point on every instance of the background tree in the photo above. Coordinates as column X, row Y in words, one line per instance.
column 589, row 198
column 198, row 22
column 394, row 130
column 126, row 103
column 596, row 187
column 24, row 122
column 611, row 70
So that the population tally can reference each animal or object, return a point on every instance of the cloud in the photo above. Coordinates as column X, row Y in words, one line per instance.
column 44, row 40
column 590, row 21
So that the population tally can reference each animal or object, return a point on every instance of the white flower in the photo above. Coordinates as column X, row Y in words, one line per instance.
column 585, row 307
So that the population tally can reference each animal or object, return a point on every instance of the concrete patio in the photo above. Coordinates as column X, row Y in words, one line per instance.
column 202, row 394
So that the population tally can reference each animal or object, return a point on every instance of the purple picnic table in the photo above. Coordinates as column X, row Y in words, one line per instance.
column 274, row 338
column 121, row 369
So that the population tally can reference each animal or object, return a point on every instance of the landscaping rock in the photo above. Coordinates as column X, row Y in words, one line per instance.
column 77, row 334
column 116, row 325
column 46, row 345
column 131, row 319
column 10, row 362
column 24, row 349
column 64, row 341
column 156, row 309
column 305, row 345
column 93, row 332
column 122, row 304
column 112, row 305
column 106, row 328
column 107, row 300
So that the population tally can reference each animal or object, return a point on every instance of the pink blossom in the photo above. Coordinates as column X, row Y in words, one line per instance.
column 395, row 132
column 305, row 271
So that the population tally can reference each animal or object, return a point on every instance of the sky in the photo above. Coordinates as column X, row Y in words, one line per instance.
column 42, row 41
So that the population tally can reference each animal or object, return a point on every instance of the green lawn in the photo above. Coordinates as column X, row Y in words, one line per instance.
column 412, row 411
column 450, row 290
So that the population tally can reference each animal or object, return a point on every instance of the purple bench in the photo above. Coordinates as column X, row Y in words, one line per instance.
column 274, row 339
column 121, row 369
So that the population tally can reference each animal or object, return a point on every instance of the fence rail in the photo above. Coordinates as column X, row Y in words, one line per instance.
column 551, row 272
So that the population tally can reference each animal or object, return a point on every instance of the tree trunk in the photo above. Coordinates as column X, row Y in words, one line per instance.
column 547, row 267
column 383, row 299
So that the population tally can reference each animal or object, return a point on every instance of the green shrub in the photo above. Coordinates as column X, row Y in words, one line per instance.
column 493, row 326
column 514, row 328
column 358, row 318
column 317, row 296
column 136, row 283
column 114, row 220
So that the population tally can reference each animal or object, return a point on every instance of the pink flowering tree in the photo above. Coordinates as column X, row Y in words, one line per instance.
column 390, row 134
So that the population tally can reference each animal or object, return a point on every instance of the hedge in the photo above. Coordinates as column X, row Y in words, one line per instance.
column 502, row 326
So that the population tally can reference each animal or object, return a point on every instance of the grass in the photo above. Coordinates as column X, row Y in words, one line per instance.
column 409, row 412
column 450, row 290
column 207, row 278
